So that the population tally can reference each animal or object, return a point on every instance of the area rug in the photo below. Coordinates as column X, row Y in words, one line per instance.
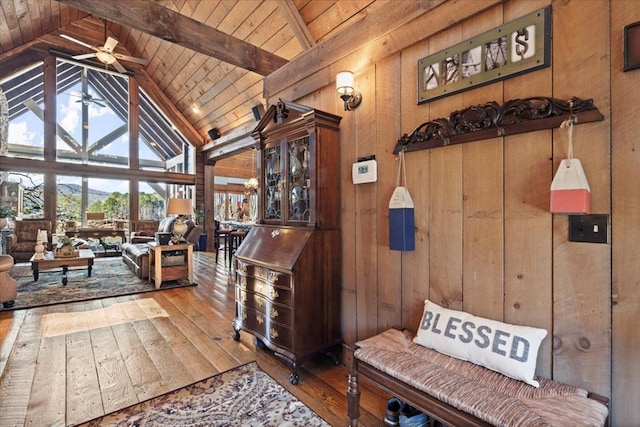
column 243, row 396
column 110, row 277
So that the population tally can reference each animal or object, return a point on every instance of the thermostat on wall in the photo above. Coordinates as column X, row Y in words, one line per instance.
column 365, row 170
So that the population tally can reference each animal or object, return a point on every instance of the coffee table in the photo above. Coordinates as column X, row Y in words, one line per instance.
column 85, row 258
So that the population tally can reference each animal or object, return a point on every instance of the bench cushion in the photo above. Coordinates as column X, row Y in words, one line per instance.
column 486, row 394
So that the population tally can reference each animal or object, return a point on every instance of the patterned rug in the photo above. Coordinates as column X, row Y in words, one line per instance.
column 243, row 396
column 109, row 277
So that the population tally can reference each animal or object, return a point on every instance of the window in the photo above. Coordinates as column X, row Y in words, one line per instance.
column 92, row 112
column 24, row 93
column 92, row 116
column 161, row 145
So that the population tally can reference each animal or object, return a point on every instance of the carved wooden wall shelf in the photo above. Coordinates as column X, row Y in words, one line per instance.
column 492, row 120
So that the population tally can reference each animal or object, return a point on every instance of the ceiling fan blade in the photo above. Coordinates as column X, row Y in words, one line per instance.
column 131, row 58
column 77, row 41
column 99, row 103
column 110, row 44
column 85, row 56
column 119, row 67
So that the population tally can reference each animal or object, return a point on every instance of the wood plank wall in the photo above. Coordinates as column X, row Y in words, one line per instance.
column 485, row 240
column 625, row 196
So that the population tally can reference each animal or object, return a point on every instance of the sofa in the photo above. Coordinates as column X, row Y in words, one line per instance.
column 21, row 243
column 136, row 257
column 143, row 230
column 135, row 253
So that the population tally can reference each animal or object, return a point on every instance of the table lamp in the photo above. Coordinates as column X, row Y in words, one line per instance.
column 181, row 208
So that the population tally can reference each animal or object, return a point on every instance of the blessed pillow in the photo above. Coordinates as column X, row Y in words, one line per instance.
column 509, row 349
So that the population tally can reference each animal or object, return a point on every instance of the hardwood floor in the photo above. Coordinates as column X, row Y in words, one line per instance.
column 67, row 364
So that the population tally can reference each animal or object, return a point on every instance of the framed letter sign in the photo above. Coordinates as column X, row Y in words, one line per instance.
column 632, row 46
column 515, row 48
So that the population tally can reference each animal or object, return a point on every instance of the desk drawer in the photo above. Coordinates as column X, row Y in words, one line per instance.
column 256, row 322
column 282, row 295
column 269, row 276
column 275, row 312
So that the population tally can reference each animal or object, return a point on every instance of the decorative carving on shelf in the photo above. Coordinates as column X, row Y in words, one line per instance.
column 492, row 120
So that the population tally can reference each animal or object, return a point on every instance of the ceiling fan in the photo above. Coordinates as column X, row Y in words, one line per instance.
column 105, row 53
column 87, row 98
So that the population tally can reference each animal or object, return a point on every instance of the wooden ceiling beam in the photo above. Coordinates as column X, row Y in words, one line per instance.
column 297, row 24
column 151, row 18
column 22, row 57
column 384, row 31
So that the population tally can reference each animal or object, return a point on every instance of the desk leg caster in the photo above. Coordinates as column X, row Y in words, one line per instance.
column 294, row 378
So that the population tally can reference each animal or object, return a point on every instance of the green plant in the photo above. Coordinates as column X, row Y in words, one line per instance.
column 66, row 241
column 198, row 216
column 6, row 211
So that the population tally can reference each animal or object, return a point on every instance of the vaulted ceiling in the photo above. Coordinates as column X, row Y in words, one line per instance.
column 206, row 59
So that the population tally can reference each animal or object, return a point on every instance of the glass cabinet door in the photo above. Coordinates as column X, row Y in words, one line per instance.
column 272, row 183
column 298, row 180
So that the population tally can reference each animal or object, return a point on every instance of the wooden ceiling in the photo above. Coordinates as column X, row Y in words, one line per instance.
column 208, row 55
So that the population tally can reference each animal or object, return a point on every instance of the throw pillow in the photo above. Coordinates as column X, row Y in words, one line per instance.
column 509, row 349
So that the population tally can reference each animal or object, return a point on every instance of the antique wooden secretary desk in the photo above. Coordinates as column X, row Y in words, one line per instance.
column 288, row 268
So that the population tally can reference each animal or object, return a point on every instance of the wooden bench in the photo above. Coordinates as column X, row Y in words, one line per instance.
column 459, row 393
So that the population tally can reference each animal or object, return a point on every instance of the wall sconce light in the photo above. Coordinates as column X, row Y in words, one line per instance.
column 344, row 86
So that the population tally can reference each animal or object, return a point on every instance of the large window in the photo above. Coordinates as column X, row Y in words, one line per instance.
column 161, row 145
column 151, row 197
column 25, row 96
column 107, row 196
column 92, row 116
column 92, row 120
column 23, row 193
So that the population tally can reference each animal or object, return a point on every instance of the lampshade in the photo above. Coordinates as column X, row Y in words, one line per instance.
column 344, row 82
column 179, row 207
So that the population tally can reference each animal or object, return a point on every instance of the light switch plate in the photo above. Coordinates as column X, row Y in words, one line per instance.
column 589, row 228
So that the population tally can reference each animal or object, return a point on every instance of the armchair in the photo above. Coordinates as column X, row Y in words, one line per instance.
column 8, row 285
column 21, row 244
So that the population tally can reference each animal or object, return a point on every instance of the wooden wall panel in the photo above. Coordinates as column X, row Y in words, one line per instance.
column 482, row 258
column 415, row 264
column 482, row 169
column 528, row 223
column 625, row 129
column 348, row 221
column 445, row 239
column 365, row 211
column 581, row 271
column 387, row 96
column 445, row 203
column 485, row 239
